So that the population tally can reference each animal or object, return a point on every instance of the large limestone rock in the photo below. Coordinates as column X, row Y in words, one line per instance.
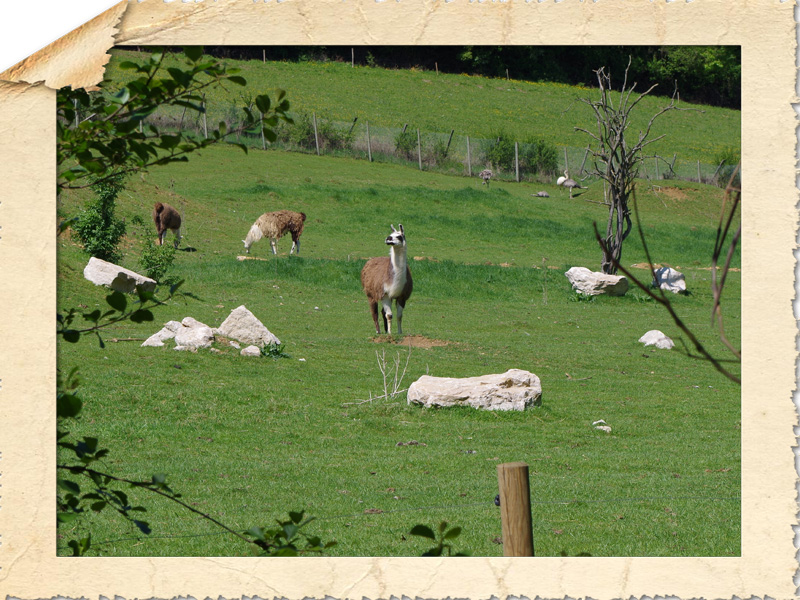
column 101, row 272
column 656, row 338
column 670, row 280
column 167, row 333
column 242, row 326
column 592, row 283
column 194, row 334
column 513, row 390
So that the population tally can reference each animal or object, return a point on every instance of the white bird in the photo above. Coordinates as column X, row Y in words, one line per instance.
column 568, row 183
column 486, row 175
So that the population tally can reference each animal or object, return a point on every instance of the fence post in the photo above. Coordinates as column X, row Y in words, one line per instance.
column 516, row 159
column 419, row 149
column 352, row 57
column 369, row 144
column 263, row 139
column 450, row 139
column 698, row 171
column 566, row 160
column 515, row 509
column 316, row 137
column 583, row 164
column 658, row 175
column 469, row 160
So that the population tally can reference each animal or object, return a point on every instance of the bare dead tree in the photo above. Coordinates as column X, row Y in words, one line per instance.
column 615, row 160
column 718, row 278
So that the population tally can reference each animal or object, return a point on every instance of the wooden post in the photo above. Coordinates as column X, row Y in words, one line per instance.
column 583, row 164
column 369, row 144
column 405, row 127
column 437, row 67
column 516, row 158
column 658, row 175
column 263, row 139
column 205, row 119
column 419, row 150
column 264, row 51
column 469, row 160
column 507, row 75
column 352, row 57
column 698, row 171
column 515, row 509
column 316, row 136
column 450, row 139
column 566, row 160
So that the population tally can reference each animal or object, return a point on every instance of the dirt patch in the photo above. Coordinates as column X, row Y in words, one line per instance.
column 415, row 341
column 240, row 258
column 645, row 266
column 674, row 193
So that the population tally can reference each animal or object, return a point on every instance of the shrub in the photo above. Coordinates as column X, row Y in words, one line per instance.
column 155, row 260
column 330, row 135
column 439, row 150
column 729, row 158
column 97, row 229
column 538, row 156
column 405, row 143
column 499, row 152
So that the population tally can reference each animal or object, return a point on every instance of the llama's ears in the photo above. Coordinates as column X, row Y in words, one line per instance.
column 393, row 229
column 401, row 228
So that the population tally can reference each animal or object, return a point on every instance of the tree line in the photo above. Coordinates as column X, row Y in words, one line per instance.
column 703, row 74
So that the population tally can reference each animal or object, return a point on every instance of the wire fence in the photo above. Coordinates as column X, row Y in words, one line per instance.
column 450, row 152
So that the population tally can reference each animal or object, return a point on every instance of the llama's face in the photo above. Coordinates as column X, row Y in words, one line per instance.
column 396, row 238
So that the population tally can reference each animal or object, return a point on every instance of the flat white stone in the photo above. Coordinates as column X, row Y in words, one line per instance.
column 656, row 338
column 592, row 283
column 101, row 272
column 513, row 390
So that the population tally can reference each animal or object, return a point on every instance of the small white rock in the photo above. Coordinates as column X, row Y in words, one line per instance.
column 251, row 351
column 605, row 428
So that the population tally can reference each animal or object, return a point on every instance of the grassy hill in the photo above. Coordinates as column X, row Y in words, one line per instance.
column 246, row 440
column 473, row 106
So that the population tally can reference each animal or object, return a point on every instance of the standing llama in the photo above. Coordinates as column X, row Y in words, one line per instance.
column 274, row 225
column 388, row 278
column 166, row 219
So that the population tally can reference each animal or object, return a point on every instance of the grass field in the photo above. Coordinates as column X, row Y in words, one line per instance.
column 247, row 439
column 473, row 106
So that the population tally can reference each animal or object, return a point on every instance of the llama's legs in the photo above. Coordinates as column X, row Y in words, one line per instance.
column 295, row 246
column 387, row 315
column 177, row 233
column 399, row 318
column 272, row 243
column 161, row 236
column 373, row 307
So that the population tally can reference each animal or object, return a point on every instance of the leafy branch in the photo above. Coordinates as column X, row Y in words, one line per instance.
column 114, row 140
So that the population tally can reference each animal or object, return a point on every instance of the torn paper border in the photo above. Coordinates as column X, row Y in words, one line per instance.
column 766, row 30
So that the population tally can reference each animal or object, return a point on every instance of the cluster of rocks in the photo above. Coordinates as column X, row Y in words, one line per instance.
column 241, row 327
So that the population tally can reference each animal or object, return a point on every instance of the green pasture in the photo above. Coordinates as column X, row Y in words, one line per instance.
column 473, row 106
column 246, row 440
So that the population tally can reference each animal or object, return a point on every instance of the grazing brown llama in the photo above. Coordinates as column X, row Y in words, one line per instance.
column 274, row 225
column 388, row 278
column 166, row 219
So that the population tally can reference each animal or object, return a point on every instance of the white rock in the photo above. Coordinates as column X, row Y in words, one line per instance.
column 513, row 390
column 592, row 283
column 243, row 326
column 251, row 351
column 670, row 280
column 166, row 333
column 605, row 428
column 101, row 272
column 656, row 338
column 194, row 334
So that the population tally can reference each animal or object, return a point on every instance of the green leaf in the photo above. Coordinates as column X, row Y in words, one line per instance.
column 193, row 53
column 70, row 335
column 121, row 97
column 141, row 315
column 263, row 103
column 92, row 316
column 117, row 301
column 423, row 531
column 70, row 486
column 127, row 64
column 257, row 533
column 68, row 406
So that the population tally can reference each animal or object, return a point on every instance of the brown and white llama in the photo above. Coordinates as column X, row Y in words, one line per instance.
column 275, row 225
column 166, row 219
column 388, row 278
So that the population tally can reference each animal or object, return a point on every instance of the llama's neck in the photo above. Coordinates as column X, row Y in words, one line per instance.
column 397, row 254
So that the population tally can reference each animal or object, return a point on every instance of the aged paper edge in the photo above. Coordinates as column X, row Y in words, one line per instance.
column 423, row 22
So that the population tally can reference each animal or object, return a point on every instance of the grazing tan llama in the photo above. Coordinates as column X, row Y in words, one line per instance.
column 274, row 225
column 388, row 278
column 166, row 219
